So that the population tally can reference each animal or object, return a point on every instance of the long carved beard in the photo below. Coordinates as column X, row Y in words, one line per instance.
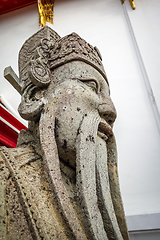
column 92, row 179
column 93, row 184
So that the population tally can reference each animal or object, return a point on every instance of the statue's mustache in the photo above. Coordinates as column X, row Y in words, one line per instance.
column 105, row 129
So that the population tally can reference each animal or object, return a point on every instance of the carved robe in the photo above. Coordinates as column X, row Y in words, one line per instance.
column 28, row 209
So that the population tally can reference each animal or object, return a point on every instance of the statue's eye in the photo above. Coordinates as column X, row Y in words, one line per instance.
column 92, row 84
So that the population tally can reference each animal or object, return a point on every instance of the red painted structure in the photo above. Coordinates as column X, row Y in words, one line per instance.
column 10, row 5
column 9, row 128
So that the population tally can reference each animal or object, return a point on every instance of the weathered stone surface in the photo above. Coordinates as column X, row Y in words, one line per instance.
column 61, row 181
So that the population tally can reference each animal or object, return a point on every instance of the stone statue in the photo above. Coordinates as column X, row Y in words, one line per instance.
column 61, row 181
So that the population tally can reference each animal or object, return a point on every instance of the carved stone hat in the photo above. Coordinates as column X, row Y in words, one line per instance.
column 46, row 50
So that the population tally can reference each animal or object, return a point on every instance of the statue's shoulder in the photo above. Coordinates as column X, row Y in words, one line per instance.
column 9, row 158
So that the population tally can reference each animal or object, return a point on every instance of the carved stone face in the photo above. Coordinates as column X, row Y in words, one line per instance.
column 78, row 89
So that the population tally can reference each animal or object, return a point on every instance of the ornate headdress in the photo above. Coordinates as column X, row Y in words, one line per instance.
column 45, row 51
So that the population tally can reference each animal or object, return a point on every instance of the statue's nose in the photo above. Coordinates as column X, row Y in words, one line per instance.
column 107, row 111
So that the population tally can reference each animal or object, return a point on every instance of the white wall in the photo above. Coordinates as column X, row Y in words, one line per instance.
column 103, row 24
column 145, row 23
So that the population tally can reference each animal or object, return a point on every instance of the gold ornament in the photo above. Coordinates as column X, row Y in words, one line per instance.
column 131, row 2
column 45, row 8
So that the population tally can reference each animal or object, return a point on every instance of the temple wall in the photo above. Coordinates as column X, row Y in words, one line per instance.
column 129, row 42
